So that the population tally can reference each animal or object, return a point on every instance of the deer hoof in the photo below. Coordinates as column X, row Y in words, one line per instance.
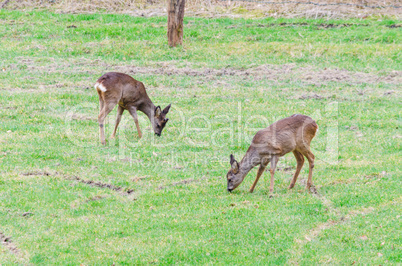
column 291, row 186
column 112, row 137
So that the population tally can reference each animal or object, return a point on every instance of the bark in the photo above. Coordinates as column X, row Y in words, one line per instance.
column 175, row 22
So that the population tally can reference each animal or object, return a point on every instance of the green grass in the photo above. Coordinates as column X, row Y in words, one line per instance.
column 48, row 111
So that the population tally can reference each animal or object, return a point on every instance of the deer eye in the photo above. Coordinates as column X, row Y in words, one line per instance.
column 158, row 126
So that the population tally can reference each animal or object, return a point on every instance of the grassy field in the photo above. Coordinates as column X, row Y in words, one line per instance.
column 65, row 199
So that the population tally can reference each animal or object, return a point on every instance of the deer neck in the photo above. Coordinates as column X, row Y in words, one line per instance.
column 148, row 108
column 244, row 169
column 247, row 163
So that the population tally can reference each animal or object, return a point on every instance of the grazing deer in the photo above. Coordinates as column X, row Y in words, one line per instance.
column 130, row 94
column 291, row 134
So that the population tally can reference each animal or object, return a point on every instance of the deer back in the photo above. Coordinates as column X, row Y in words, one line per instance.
column 123, row 88
column 285, row 135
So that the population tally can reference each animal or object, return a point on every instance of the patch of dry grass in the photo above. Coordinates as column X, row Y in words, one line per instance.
column 218, row 8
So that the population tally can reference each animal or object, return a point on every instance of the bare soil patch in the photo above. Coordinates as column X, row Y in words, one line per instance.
column 125, row 191
column 27, row 214
column 393, row 26
column 219, row 8
column 270, row 72
column 285, row 72
column 317, row 26
column 96, row 198
column 388, row 93
column 136, row 179
column 37, row 173
column 101, row 185
column 8, row 243
column 311, row 96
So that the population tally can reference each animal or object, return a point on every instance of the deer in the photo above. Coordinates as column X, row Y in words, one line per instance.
column 291, row 134
column 118, row 88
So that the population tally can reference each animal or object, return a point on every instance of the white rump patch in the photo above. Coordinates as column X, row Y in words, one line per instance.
column 100, row 86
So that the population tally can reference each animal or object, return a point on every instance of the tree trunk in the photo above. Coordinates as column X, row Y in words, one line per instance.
column 175, row 22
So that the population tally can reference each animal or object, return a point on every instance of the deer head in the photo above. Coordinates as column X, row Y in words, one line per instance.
column 160, row 119
column 234, row 176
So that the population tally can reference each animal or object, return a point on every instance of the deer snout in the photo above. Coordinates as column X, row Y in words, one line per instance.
column 230, row 189
column 158, row 134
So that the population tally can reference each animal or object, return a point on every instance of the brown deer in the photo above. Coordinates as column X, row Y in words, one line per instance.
column 291, row 134
column 130, row 94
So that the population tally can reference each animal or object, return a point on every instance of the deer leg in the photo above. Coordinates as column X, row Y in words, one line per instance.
column 101, row 119
column 300, row 162
column 120, row 111
column 101, row 103
column 133, row 112
column 259, row 173
column 274, row 161
column 310, row 157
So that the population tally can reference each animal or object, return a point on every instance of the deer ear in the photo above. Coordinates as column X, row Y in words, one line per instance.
column 166, row 110
column 234, row 164
column 232, row 159
column 235, row 167
column 157, row 111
